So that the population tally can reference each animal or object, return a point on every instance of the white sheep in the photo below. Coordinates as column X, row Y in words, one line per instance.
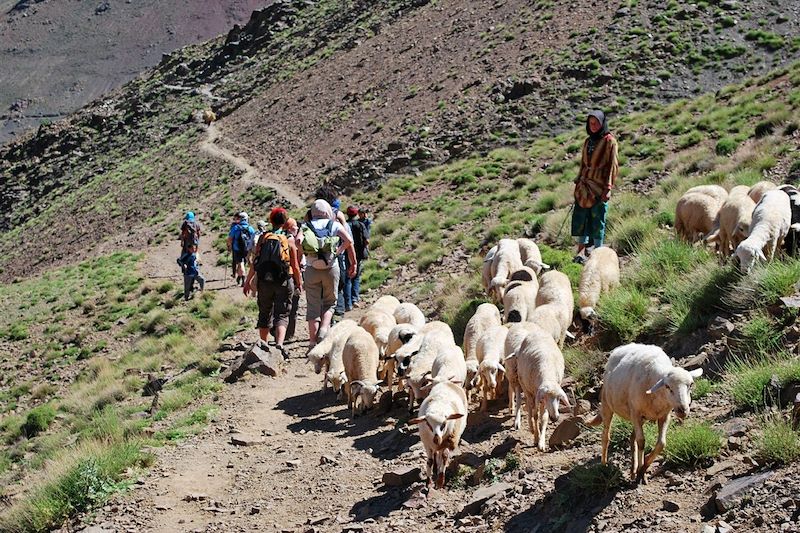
column 550, row 318
column 735, row 217
column 486, row 271
column 507, row 260
column 715, row 191
column 333, row 343
column 491, row 354
column 417, row 365
column 540, row 370
column 379, row 324
column 555, row 289
column 758, row 190
column 360, row 359
column 386, row 303
column 695, row 215
column 516, row 334
column 486, row 315
column 600, row 274
column 530, row 255
column 772, row 219
column 450, row 366
column 524, row 274
column 519, row 300
column 641, row 384
column 441, row 419
column 399, row 336
column 408, row 313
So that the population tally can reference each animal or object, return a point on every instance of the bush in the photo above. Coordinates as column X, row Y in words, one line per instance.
column 778, row 444
column 726, row 146
column 749, row 383
column 766, row 39
column 692, row 444
column 760, row 338
column 38, row 420
column 595, row 480
column 623, row 312
column 702, row 388
column 627, row 234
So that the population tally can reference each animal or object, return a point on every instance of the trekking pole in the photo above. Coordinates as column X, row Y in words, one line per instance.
column 558, row 235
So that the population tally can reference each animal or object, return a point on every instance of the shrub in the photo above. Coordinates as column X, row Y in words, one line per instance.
column 779, row 443
column 702, row 388
column 38, row 420
column 766, row 39
column 595, row 480
column 691, row 444
column 760, row 338
column 750, row 384
column 726, row 146
column 627, row 234
column 623, row 312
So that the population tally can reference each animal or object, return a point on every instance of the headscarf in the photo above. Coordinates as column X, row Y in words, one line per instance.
column 277, row 211
column 189, row 215
column 321, row 210
column 261, row 225
column 601, row 118
column 290, row 226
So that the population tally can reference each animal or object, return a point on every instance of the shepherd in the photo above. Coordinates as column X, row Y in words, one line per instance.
column 598, row 173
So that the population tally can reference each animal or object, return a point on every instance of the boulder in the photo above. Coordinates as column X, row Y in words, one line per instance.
column 259, row 359
column 481, row 496
column 730, row 495
column 242, row 439
column 566, row 431
column 402, row 477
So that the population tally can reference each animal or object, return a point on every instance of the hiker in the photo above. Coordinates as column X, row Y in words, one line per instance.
column 278, row 269
column 293, row 232
column 598, row 172
column 190, row 232
column 324, row 238
column 240, row 242
column 352, row 287
column 339, row 217
column 363, row 213
column 191, row 271
column 261, row 228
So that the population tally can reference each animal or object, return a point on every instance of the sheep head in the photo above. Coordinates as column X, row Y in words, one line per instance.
column 365, row 390
column 748, row 255
column 489, row 371
column 404, row 358
column 318, row 357
column 437, row 424
column 587, row 313
column 676, row 387
column 337, row 379
column 551, row 395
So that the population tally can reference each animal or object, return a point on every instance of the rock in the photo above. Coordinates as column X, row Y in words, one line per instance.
column 720, row 467
column 385, row 403
column 724, row 527
column 737, row 427
column 720, row 327
column 294, row 463
column 259, row 359
column 564, row 432
column 402, row 477
column 328, row 460
column 483, row 495
column 153, row 385
column 670, row 506
column 730, row 495
column 622, row 12
column 582, row 407
column 242, row 439
column 789, row 392
column 195, row 497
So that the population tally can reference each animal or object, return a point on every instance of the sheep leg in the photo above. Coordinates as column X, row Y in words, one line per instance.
column 511, row 392
column 606, row 437
column 346, row 389
column 531, row 418
column 388, row 368
column 638, row 460
column 663, row 424
column 429, row 467
column 411, row 399
column 518, row 409
column 543, row 417
column 485, row 398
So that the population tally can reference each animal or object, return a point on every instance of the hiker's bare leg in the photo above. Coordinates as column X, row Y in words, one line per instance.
column 313, row 329
column 280, row 335
column 325, row 322
column 264, row 334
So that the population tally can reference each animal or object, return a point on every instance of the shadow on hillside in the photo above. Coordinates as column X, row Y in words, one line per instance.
column 577, row 497
column 382, row 504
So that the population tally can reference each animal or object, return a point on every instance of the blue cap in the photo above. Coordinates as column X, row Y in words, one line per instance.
column 335, row 203
column 189, row 215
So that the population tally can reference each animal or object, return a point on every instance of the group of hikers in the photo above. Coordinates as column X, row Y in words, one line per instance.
column 324, row 255
column 280, row 259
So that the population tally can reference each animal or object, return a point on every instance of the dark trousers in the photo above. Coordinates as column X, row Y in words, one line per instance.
column 188, row 284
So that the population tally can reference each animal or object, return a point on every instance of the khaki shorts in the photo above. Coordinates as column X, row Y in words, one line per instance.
column 321, row 290
column 274, row 303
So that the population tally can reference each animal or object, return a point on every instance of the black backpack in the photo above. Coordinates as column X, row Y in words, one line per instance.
column 244, row 239
column 272, row 260
column 190, row 233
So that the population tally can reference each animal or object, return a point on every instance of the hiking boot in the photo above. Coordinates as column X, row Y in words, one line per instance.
column 283, row 351
column 579, row 259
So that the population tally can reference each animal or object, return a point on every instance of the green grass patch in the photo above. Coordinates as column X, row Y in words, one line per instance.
column 692, row 444
column 778, row 443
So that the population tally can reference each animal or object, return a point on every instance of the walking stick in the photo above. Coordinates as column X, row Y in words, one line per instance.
column 558, row 235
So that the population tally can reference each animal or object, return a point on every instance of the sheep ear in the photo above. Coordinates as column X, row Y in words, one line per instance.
column 696, row 373
column 564, row 398
column 415, row 421
column 455, row 416
column 501, row 368
column 654, row 388
column 762, row 256
column 570, row 335
column 512, row 354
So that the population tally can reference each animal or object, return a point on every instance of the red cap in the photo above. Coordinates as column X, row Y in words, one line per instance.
column 275, row 212
column 352, row 211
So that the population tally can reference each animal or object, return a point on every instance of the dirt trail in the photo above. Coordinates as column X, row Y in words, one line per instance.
column 251, row 174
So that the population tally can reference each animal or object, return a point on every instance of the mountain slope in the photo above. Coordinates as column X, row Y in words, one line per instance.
column 57, row 56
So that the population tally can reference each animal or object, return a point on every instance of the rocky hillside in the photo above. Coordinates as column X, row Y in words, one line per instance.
column 58, row 56
column 310, row 92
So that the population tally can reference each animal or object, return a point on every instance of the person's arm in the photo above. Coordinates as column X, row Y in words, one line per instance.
column 613, row 168
column 584, row 162
column 250, row 273
column 295, row 262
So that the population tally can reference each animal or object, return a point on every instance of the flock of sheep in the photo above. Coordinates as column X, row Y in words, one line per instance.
column 394, row 346
column 752, row 222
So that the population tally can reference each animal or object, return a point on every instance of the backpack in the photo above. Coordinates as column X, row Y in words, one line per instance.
column 244, row 239
column 320, row 243
column 190, row 233
column 358, row 232
column 272, row 257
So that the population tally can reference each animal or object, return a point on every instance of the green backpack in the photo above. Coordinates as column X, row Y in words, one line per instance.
column 322, row 243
